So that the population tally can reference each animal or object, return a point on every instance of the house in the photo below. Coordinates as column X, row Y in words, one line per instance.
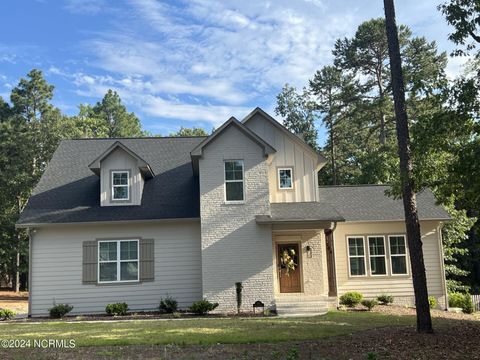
column 134, row 220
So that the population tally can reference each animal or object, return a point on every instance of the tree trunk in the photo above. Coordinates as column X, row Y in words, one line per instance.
column 424, row 322
column 332, row 141
column 381, row 92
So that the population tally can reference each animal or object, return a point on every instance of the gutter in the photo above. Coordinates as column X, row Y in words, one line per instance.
column 442, row 263
column 30, row 232
column 113, row 222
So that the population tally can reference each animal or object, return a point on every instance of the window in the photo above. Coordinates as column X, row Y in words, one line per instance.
column 398, row 254
column 356, row 256
column 234, row 181
column 376, row 248
column 117, row 261
column 285, row 178
column 120, row 185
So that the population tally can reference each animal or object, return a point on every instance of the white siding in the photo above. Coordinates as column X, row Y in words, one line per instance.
column 57, row 267
column 120, row 160
column 400, row 287
column 289, row 154
column 234, row 247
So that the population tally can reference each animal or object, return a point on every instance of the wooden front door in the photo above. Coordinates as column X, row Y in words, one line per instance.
column 290, row 282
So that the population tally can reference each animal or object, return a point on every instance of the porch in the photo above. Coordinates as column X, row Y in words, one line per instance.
column 302, row 235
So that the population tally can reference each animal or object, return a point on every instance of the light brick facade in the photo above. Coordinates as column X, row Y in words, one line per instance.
column 234, row 247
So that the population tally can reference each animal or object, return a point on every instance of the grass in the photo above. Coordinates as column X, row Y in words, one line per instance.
column 204, row 331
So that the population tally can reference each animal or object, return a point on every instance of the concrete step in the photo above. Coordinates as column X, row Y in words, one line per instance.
column 301, row 308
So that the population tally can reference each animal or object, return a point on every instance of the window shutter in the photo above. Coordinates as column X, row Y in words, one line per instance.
column 90, row 258
column 147, row 263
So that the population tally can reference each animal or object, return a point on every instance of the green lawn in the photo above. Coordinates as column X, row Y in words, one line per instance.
column 203, row 331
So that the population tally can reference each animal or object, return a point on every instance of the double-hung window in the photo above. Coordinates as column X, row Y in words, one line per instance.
column 398, row 254
column 376, row 251
column 118, row 261
column 285, row 178
column 120, row 185
column 234, row 174
column 356, row 255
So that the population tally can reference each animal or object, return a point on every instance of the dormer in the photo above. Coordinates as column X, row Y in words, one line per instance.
column 122, row 175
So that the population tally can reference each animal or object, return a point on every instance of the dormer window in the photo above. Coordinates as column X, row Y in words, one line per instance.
column 120, row 185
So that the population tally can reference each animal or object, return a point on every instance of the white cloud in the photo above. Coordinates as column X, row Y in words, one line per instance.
column 202, row 60
column 90, row 7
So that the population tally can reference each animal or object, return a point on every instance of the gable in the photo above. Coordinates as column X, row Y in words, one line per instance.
column 277, row 135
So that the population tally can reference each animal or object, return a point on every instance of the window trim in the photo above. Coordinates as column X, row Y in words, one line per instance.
column 278, row 177
column 407, row 273
column 113, row 172
column 357, row 256
column 377, row 256
column 233, row 181
column 118, row 261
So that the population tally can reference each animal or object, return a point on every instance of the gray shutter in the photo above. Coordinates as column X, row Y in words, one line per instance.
column 89, row 262
column 147, row 263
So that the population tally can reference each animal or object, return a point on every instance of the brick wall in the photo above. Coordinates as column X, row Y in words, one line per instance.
column 234, row 247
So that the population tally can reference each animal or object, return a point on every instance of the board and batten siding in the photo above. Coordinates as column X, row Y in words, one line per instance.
column 289, row 153
column 119, row 159
column 57, row 255
column 400, row 286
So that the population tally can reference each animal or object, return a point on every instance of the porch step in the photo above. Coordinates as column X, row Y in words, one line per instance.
column 302, row 306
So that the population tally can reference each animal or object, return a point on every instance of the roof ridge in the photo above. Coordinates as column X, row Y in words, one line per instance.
column 353, row 185
column 139, row 138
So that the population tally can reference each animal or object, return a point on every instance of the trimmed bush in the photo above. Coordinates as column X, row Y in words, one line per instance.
column 117, row 309
column 432, row 302
column 351, row 298
column 202, row 307
column 6, row 314
column 60, row 310
column 385, row 299
column 463, row 301
column 455, row 300
column 168, row 305
column 369, row 303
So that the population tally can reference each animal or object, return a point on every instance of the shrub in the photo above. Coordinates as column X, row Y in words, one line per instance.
column 385, row 299
column 351, row 298
column 202, row 307
column 460, row 300
column 168, row 305
column 6, row 314
column 432, row 302
column 60, row 310
column 369, row 303
column 117, row 309
column 455, row 300
column 467, row 307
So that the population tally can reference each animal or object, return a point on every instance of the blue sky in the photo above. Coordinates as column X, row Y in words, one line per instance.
column 187, row 63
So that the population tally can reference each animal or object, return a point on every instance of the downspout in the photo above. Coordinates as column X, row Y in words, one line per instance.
column 335, row 262
column 30, row 238
column 442, row 263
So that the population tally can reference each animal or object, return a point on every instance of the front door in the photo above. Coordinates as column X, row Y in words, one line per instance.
column 290, row 280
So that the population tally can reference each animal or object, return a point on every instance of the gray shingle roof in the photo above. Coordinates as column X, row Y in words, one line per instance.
column 369, row 203
column 69, row 192
column 301, row 211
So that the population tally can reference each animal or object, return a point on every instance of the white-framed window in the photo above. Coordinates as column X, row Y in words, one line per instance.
column 118, row 261
column 234, row 184
column 356, row 255
column 285, row 178
column 398, row 254
column 120, row 185
column 377, row 255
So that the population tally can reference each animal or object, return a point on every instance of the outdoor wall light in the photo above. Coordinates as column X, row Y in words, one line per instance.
column 308, row 248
